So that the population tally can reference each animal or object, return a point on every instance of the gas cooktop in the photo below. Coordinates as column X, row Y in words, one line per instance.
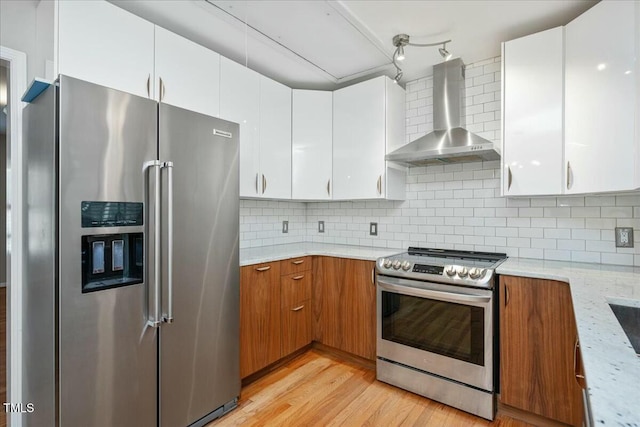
column 464, row 268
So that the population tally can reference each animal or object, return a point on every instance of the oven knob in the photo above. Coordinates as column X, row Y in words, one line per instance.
column 396, row 264
column 406, row 265
column 451, row 271
column 474, row 273
column 386, row 263
column 462, row 272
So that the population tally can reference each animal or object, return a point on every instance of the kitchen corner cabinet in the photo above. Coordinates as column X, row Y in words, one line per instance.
column 344, row 305
column 538, row 349
column 260, row 310
column 275, row 139
column 602, row 96
column 312, row 145
column 533, row 84
column 368, row 122
column 104, row 44
column 262, row 107
column 187, row 75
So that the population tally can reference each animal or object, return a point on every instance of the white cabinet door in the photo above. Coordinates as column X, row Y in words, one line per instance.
column 190, row 73
column 359, row 140
column 312, row 138
column 395, row 177
column 275, row 139
column 600, row 92
column 532, row 114
column 240, row 103
column 103, row 44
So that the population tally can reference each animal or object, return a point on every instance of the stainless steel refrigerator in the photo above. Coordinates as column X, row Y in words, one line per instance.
column 131, row 298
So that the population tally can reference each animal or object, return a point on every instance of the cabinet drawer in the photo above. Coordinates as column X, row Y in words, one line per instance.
column 296, row 327
column 295, row 288
column 296, row 265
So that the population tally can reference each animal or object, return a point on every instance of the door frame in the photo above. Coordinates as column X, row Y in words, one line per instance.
column 17, row 86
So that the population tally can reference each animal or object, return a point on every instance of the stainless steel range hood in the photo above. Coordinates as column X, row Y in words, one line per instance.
column 449, row 142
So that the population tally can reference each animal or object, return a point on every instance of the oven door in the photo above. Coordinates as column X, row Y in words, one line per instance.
column 440, row 329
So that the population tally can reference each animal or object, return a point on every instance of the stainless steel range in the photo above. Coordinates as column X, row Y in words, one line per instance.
column 435, row 325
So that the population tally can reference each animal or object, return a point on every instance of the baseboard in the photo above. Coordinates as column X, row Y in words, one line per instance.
column 343, row 356
column 527, row 417
column 275, row 365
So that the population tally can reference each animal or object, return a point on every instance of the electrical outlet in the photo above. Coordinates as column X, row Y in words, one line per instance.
column 373, row 229
column 624, row 237
column 320, row 226
column 285, row 226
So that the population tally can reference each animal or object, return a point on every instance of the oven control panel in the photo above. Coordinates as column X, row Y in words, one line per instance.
column 428, row 269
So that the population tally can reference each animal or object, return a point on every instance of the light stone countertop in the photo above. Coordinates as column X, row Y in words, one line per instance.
column 612, row 368
column 262, row 254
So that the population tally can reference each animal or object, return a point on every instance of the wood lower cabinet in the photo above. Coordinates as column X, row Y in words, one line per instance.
column 296, row 309
column 275, row 312
column 344, row 305
column 260, row 310
column 538, row 351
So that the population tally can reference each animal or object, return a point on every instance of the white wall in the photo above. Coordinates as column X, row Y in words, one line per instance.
column 458, row 206
column 18, row 31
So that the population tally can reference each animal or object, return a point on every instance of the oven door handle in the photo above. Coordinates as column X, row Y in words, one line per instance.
column 428, row 293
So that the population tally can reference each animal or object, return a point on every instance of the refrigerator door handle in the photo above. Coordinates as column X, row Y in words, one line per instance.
column 154, row 320
column 168, row 317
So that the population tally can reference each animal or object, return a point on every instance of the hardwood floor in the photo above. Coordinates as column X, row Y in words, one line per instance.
column 317, row 389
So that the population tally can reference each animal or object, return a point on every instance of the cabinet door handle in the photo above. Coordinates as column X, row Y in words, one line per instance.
column 329, row 188
column 264, row 184
column 373, row 276
column 257, row 174
column 149, row 86
column 379, row 185
column 568, row 175
column 576, row 349
column 506, row 295
column 297, row 262
column 161, row 89
column 261, row 269
column 509, row 178
column 298, row 308
column 298, row 277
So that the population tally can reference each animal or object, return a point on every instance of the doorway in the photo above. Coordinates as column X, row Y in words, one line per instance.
column 13, row 65
column 4, row 100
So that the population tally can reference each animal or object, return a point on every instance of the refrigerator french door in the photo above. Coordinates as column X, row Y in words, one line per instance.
column 132, row 287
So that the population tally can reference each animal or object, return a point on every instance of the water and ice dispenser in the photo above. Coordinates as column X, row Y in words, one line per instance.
column 112, row 260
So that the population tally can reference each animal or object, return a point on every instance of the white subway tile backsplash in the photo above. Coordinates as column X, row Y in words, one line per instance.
column 458, row 205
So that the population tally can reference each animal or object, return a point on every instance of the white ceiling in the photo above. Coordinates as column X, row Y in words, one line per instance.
column 317, row 44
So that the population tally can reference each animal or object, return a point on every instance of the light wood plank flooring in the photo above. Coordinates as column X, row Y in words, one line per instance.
column 317, row 389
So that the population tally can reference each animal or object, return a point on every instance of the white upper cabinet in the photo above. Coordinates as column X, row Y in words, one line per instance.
column 187, row 75
column 362, row 116
column 275, row 139
column 533, row 114
column 240, row 103
column 103, row 44
column 311, row 145
column 601, row 99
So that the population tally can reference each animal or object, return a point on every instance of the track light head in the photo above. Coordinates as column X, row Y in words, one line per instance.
column 444, row 52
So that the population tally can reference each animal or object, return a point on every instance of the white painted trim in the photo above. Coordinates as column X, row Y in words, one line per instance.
column 17, row 87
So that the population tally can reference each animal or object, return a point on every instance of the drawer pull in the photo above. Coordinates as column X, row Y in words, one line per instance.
column 268, row 267
column 298, row 277
column 298, row 262
column 298, row 308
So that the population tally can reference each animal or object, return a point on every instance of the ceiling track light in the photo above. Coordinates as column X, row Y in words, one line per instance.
column 402, row 40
